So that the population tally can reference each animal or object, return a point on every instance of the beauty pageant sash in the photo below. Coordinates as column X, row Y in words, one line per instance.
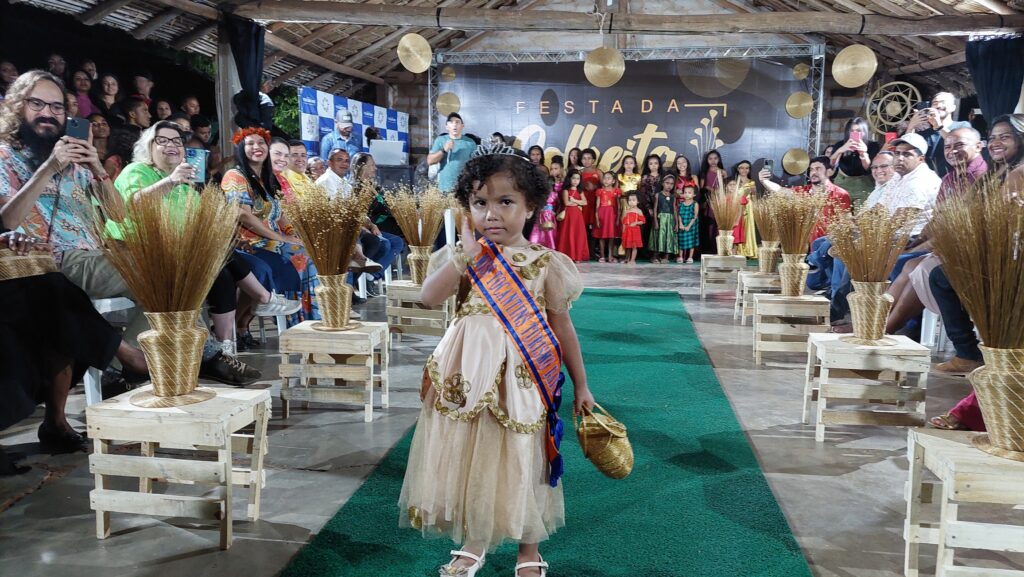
column 511, row 303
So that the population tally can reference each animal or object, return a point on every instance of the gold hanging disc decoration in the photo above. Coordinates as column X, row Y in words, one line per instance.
column 854, row 66
column 796, row 161
column 447, row 103
column 414, row 53
column 801, row 71
column 799, row 104
column 604, row 66
column 447, row 74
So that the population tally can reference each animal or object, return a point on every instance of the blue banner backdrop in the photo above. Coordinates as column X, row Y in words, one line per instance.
column 659, row 107
column 316, row 118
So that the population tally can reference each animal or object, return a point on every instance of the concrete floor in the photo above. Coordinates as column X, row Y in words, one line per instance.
column 843, row 498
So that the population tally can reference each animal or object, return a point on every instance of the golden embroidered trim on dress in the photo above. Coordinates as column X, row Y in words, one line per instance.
column 523, row 378
column 488, row 401
column 455, row 389
column 532, row 270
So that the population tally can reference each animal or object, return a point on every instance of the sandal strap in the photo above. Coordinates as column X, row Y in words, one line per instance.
column 528, row 564
column 468, row 555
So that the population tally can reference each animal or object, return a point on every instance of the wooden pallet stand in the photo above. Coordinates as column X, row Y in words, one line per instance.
column 749, row 283
column 211, row 425
column 719, row 270
column 896, row 374
column 408, row 315
column 966, row 476
column 353, row 362
column 781, row 324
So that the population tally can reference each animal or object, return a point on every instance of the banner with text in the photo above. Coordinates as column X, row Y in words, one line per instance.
column 663, row 107
column 316, row 117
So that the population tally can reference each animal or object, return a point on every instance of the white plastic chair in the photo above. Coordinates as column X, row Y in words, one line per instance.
column 933, row 332
column 93, row 377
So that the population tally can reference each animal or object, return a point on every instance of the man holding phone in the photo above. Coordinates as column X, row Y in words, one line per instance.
column 933, row 124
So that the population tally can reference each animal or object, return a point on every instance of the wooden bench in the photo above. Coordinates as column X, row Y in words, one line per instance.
column 352, row 361
column 966, row 476
column 719, row 270
column 408, row 315
column 749, row 283
column 211, row 425
column 781, row 323
column 896, row 374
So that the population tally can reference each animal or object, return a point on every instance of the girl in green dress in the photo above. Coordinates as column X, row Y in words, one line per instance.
column 663, row 241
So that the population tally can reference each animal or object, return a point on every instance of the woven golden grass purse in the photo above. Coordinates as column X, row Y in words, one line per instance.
column 13, row 265
column 605, row 443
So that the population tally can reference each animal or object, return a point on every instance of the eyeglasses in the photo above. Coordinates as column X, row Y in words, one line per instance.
column 37, row 105
column 905, row 153
column 881, row 166
column 164, row 141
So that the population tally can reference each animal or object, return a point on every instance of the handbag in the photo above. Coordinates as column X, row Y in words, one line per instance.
column 605, row 443
column 547, row 225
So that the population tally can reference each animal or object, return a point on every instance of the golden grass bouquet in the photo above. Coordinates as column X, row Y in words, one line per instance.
column 796, row 215
column 170, row 256
column 726, row 208
column 870, row 241
column 764, row 218
column 979, row 234
column 329, row 227
column 418, row 215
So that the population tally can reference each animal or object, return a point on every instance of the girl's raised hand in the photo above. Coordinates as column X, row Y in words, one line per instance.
column 469, row 244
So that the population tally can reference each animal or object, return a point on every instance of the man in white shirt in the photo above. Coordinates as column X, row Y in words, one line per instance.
column 334, row 178
column 919, row 185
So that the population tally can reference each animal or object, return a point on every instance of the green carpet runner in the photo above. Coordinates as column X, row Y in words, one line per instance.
column 695, row 505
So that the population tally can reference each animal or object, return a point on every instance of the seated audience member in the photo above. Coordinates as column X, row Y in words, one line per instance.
column 1006, row 150
column 190, row 105
column 334, row 179
column 162, row 110
column 364, row 173
column 819, row 173
column 58, row 67
column 119, row 151
column 851, row 158
column 107, row 98
column 100, row 134
column 136, row 115
column 71, row 104
column 142, row 80
column 297, row 161
column 911, row 282
column 49, row 336
column 8, row 74
column 159, row 168
column 315, row 168
column 89, row 67
column 82, row 86
column 182, row 120
column 203, row 128
column 933, row 124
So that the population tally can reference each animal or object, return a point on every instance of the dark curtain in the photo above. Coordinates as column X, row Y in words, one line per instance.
column 997, row 69
column 246, row 38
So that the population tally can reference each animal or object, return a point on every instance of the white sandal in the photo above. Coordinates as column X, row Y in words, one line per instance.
column 448, row 570
column 542, row 564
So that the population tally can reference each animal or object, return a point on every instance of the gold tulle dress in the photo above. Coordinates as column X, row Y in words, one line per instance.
column 748, row 247
column 477, row 471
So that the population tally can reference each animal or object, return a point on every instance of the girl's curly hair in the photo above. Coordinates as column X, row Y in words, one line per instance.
column 526, row 178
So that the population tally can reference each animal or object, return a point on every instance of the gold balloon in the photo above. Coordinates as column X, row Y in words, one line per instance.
column 801, row 71
column 447, row 103
column 854, row 66
column 713, row 78
column 799, row 104
column 604, row 66
column 414, row 53
column 796, row 161
column 447, row 74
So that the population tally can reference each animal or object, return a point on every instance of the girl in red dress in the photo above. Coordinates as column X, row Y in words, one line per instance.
column 606, row 221
column 572, row 232
column 632, row 220
column 684, row 174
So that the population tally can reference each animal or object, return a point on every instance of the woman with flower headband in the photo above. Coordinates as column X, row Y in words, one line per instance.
column 263, row 228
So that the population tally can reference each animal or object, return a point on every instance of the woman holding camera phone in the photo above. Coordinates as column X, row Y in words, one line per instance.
column 852, row 156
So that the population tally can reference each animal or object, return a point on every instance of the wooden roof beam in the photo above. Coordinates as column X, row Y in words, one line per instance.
column 561, row 21
column 155, row 23
column 292, row 73
column 274, row 41
column 946, row 61
column 183, row 41
column 97, row 13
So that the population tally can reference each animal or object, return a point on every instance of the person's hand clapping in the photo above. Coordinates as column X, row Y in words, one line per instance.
column 469, row 244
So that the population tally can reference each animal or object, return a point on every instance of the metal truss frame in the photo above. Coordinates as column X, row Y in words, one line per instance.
column 817, row 90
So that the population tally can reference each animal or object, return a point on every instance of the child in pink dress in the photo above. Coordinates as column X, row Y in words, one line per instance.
column 545, row 230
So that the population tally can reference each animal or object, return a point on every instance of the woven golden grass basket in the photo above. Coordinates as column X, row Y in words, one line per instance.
column 605, row 443
column 13, row 265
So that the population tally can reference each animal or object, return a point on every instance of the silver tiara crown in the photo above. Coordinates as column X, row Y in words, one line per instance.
column 491, row 149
